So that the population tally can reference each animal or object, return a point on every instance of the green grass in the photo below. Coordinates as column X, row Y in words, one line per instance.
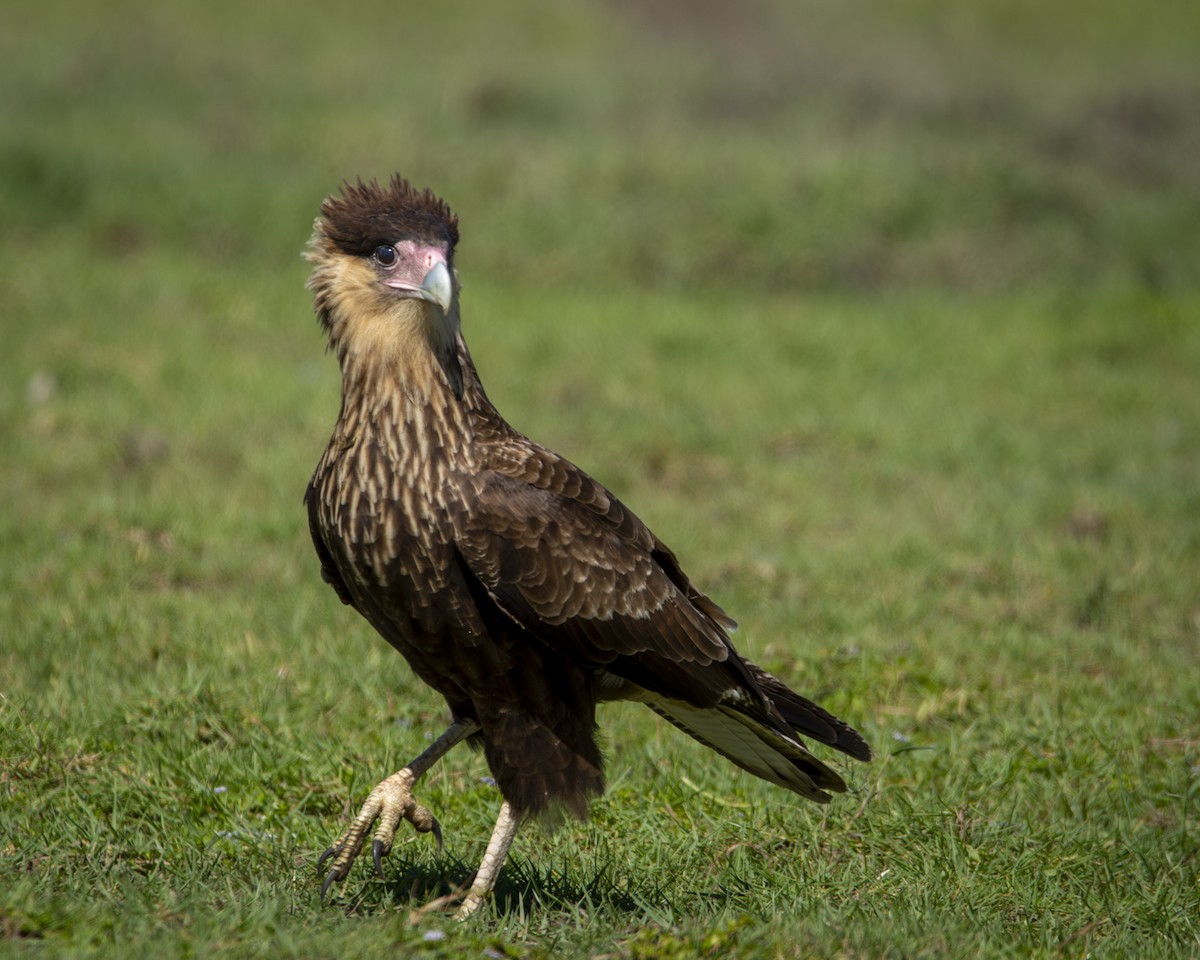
column 887, row 321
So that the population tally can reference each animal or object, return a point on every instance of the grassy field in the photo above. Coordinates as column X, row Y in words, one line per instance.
column 887, row 321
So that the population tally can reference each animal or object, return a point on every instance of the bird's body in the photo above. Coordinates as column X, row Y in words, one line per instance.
column 514, row 584
column 394, row 549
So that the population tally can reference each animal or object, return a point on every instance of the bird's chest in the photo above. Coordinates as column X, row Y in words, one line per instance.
column 388, row 501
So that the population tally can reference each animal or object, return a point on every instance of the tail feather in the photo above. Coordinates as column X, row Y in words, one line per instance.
column 807, row 718
column 759, row 727
column 754, row 745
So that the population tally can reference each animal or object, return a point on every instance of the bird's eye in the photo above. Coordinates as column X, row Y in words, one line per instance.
column 385, row 255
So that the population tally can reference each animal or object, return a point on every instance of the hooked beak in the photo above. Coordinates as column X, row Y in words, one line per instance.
column 436, row 287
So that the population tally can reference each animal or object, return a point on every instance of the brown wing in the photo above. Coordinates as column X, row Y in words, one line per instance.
column 572, row 565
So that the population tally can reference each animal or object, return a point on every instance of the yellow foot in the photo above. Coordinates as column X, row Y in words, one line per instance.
column 390, row 802
column 493, row 859
column 470, row 900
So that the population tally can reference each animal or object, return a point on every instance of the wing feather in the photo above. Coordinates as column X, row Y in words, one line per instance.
column 574, row 567
column 551, row 561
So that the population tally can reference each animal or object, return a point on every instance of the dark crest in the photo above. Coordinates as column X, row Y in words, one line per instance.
column 365, row 215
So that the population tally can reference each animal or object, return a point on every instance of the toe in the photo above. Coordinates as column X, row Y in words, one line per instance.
column 329, row 878
column 421, row 818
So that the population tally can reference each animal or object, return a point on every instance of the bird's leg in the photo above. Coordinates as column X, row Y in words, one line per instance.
column 391, row 801
column 493, row 859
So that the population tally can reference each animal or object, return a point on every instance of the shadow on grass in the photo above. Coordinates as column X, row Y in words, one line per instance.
column 522, row 888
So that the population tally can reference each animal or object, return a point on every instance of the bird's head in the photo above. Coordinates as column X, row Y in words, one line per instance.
column 383, row 280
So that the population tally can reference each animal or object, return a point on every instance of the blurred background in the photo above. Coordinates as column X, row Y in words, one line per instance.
column 883, row 315
column 160, row 166
column 785, row 146
column 939, row 243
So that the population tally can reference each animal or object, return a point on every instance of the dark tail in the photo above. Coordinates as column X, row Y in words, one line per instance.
column 806, row 718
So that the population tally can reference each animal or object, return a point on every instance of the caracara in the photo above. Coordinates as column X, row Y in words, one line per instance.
column 514, row 584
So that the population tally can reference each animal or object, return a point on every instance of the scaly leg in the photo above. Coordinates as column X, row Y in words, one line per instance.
column 391, row 801
column 493, row 859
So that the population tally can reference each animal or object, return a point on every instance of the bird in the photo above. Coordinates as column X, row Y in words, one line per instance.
column 514, row 584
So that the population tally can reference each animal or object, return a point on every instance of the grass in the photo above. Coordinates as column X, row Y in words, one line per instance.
column 888, row 325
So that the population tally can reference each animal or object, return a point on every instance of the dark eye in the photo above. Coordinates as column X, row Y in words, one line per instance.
column 385, row 255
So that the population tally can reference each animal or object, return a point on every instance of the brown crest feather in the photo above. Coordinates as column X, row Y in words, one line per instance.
column 365, row 215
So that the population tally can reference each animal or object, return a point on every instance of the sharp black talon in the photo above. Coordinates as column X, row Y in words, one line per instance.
column 436, row 830
column 325, row 856
column 377, row 853
column 325, row 886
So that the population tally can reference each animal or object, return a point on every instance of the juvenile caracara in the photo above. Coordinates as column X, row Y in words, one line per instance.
column 514, row 584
